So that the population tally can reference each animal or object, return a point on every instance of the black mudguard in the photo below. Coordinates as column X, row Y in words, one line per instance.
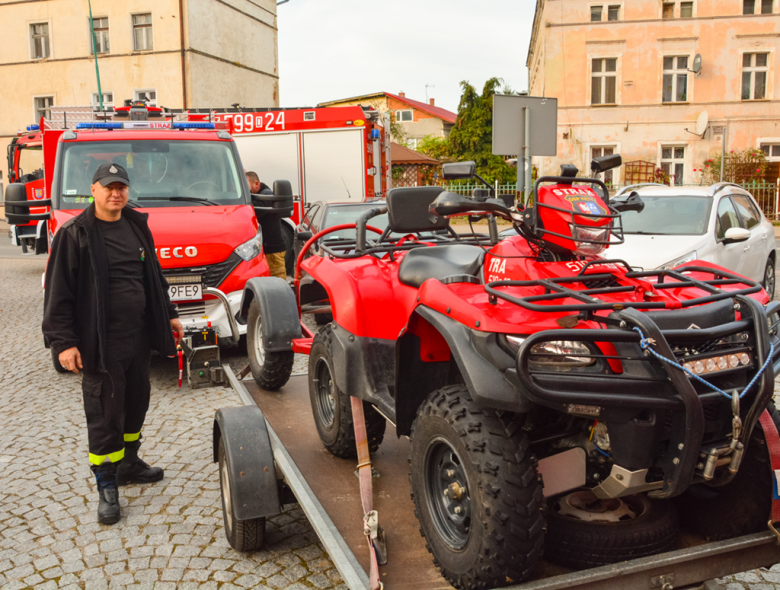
column 278, row 309
column 253, row 487
column 486, row 383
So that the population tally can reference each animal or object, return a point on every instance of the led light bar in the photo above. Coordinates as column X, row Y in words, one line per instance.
column 182, row 279
column 716, row 364
column 33, row 128
column 95, row 125
column 193, row 125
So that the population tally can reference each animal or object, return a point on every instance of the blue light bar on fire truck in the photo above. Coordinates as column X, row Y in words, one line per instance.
column 146, row 125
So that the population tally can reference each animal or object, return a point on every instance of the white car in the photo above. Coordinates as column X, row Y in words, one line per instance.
column 721, row 224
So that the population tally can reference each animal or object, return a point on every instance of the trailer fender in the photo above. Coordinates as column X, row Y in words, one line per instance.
column 487, row 384
column 278, row 309
column 253, row 487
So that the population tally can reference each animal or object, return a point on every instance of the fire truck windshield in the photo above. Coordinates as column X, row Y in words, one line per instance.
column 159, row 171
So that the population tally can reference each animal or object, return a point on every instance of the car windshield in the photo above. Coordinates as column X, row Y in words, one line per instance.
column 342, row 214
column 159, row 171
column 669, row 216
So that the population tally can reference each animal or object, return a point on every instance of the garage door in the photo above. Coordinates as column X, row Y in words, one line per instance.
column 333, row 166
column 273, row 157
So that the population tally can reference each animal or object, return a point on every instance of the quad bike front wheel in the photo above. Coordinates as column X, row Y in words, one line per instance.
column 476, row 494
column 243, row 535
column 271, row 370
column 584, row 531
column 332, row 408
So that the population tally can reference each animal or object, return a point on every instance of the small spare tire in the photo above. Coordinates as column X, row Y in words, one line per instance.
column 585, row 532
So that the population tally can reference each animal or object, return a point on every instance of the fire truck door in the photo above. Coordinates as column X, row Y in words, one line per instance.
column 335, row 167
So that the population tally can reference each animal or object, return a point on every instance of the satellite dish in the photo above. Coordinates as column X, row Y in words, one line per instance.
column 702, row 122
column 697, row 64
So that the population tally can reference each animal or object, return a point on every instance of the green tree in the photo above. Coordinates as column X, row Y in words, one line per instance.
column 435, row 147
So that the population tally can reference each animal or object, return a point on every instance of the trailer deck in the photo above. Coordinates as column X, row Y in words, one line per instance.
column 327, row 489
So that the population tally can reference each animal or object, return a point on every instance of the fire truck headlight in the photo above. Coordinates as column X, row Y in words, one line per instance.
column 251, row 248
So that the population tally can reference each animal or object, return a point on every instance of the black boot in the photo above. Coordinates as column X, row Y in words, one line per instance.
column 108, row 509
column 134, row 470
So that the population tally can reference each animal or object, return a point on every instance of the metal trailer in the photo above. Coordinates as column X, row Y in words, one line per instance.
column 272, row 455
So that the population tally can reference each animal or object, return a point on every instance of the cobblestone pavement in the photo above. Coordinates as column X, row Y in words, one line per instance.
column 171, row 533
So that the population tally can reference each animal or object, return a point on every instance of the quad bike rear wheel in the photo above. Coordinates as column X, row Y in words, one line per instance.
column 742, row 506
column 476, row 494
column 332, row 408
column 584, row 532
column 271, row 370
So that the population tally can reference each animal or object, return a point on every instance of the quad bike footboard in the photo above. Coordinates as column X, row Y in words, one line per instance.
column 649, row 400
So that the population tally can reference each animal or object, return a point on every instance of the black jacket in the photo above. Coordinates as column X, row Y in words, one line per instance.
column 74, row 305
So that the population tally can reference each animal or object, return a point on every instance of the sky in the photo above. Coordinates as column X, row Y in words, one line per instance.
column 333, row 49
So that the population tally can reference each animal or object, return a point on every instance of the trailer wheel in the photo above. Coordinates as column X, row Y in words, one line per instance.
column 739, row 508
column 476, row 494
column 332, row 408
column 289, row 249
column 271, row 370
column 55, row 360
column 243, row 535
column 584, row 532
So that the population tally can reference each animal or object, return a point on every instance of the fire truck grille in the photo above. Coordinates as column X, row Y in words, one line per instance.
column 211, row 275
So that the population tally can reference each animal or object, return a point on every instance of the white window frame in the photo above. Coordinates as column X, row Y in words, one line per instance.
column 590, row 10
column 603, row 75
column 31, row 45
column 150, row 26
column 677, row 9
column 675, row 72
column 619, row 6
column 137, row 95
column 769, row 92
column 617, row 173
column 398, row 115
column 685, row 160
column 108, row 35
column 36, row 115
column 106, row 103
column 770, row 141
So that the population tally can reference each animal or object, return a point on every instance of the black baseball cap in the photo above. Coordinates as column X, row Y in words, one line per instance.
column 109, row 173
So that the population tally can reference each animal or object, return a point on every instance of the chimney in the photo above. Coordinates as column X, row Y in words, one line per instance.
column 402, row 94
column 433, row 105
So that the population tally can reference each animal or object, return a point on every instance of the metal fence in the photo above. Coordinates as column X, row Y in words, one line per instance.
column 766, row 194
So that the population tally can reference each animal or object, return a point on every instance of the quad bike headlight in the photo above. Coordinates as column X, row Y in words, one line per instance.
column 557, row 353
column 251, row 248
column 584, row 238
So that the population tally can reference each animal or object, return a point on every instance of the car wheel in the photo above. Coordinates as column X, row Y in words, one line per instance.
column 769, row 278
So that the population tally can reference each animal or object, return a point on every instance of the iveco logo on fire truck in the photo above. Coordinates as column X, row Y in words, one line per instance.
column 176, row 252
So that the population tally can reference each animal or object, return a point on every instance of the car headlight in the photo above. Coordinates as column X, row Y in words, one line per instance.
column 678, row 261
column 251, row 248
column 556, row 353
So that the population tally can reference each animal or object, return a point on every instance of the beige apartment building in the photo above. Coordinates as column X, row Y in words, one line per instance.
column 174, row 53
column 625, row 77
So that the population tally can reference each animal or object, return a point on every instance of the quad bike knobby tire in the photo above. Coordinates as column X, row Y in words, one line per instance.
column 476, row 493
column 243, row 535
column 332, row 408
column 621, row 529
column 271, row 370
column 55, row 360
column 742, row 506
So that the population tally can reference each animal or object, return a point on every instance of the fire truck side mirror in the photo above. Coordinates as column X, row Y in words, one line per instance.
column 283, row 188
column 456, row 170
column 17, row 193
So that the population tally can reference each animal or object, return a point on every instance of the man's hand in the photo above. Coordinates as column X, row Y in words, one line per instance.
column 179, row 329
column 71, row 359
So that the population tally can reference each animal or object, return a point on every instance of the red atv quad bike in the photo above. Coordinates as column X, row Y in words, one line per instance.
column 558, row 403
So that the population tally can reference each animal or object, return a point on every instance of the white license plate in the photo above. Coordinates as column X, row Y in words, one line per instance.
column 185, row 292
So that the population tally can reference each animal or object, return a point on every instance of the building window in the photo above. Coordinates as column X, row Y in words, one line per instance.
column 668, row 10
column 675, row 79
column 147, row 94
column 673, row 163
column 750, row 6
column 101, row 34
column 43, row 106
column 604, row 81
column 595, row 13
column 755, row 67
column 39, row 39
column 108, row 100
column 767, row 6
column 771, row 150
column 404, row 116
column 142, row 32
column 613, row 13
column 596, row 152
column 686, row 9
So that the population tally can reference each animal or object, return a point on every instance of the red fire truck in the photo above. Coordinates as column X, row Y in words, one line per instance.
column 25, row 165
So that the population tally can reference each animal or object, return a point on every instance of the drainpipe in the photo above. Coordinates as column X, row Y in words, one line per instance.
column 183, row 69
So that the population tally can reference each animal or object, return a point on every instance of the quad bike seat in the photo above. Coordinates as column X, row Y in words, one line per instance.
column 440, row 262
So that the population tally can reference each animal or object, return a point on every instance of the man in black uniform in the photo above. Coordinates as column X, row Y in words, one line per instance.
column 106, row 306
column 274, row 247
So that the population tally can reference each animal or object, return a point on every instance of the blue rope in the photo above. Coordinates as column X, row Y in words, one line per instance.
column 645, row 344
